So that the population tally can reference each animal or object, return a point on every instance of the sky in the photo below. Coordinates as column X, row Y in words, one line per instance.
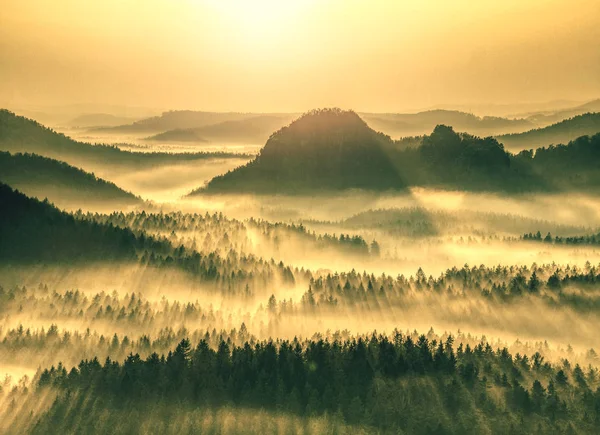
column 295, row 55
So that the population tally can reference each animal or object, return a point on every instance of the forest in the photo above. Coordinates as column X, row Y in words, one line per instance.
column 340, row 281
column 299, row 217
column 350, row 155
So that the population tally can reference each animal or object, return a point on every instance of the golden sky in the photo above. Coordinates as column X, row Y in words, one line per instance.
column 294, row 55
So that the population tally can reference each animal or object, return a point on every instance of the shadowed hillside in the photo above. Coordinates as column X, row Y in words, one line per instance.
column 34, row 231
column 55, row 180
column 323, row 150
column 331, row 150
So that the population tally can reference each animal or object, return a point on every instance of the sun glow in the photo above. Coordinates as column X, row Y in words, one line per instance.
column 262, row 16
column 262, row 26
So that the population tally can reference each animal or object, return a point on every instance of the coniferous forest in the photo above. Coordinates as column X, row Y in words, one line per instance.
column 299, row 217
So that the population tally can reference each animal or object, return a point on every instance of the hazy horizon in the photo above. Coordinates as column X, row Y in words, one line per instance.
column 293, row 56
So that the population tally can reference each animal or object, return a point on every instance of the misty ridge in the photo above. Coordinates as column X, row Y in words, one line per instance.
column 332, row 150
column 187, row 125
column 338, row 280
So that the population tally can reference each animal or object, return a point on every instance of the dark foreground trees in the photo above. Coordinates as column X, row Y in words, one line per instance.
column 390, row 383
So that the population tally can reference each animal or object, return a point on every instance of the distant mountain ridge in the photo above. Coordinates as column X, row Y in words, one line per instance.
column 178, row 119
column 178, row 135
column 22, row 135
column 256, row 130
column 559, row 133
column 551, row 117
column 423, row 122
column 89, row 120
column 256, row 127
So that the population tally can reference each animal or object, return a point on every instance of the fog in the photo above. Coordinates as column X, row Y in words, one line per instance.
column 137, row 297
column 454, row 229
column 170, row 181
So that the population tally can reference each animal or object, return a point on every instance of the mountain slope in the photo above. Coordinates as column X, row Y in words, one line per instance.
column 562, row 132
column 324, row 150
column 47, row 178
column 22, row 135
column 553, row 117
column 332, row 150
column 32, row 231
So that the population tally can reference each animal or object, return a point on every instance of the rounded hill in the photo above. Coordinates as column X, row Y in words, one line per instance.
column 323, row 150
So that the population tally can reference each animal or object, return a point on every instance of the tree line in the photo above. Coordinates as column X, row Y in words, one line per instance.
column 386, row 382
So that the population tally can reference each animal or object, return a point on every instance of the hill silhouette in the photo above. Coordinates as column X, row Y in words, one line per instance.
column 175, row 119
column 36, row 231
column 323, row 150
column 415, row 124
column 22, row 135
column 256, row 129
column 178, row 135
column 546, row 118
column 47, row 178
column 90, row 120
column 561, row 132
column 329, row 150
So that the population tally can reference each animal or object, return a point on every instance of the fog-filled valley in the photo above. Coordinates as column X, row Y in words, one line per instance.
column 300, row 217
column 332, row 279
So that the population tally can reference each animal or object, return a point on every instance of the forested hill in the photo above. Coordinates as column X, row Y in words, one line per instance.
column 36, row 232
column 323, row 150
column 33, row 231
column 332, row 150
column 22, row 135
column 559, row 133
column 47, row 178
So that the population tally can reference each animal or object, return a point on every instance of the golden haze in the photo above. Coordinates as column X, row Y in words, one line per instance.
column 267, row 55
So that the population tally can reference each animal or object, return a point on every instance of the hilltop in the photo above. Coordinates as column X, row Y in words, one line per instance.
column 47, row 178
column 323, row 150
column 561, row 132
column 332, row 150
